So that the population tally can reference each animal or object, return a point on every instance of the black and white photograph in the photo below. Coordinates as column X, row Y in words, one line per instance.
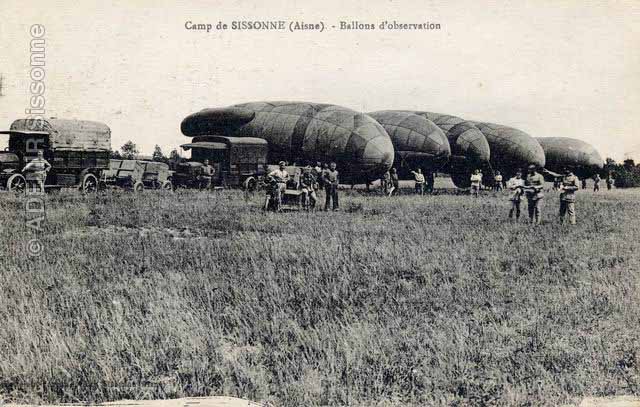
column 368, row 203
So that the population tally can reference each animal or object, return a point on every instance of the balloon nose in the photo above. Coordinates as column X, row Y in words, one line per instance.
column 378, row 154
column 475, row 146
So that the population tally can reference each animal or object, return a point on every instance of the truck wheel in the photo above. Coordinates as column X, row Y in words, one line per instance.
column 250, row 184
column 138, row 187
column 167, row 186
column 89, row 184
column 16, row 183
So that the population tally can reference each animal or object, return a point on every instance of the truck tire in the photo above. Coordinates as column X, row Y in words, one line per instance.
column 250, row 184
column 17, row 183
column 138, row 187
column 89, row 184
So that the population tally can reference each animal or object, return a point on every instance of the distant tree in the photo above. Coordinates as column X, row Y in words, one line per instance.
column 629, row 163
column 115, row 155
column 129, row 150
column 157, row 154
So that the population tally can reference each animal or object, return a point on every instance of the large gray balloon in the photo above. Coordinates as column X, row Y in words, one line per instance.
column 417, row 141
column 582, row 158
column 511, row 149
column 301, row 131
column 469, row 147
column 466, row 140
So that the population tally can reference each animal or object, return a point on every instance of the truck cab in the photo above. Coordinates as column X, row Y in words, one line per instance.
column 238, row 161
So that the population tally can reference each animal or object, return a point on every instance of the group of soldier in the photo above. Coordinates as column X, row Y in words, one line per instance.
column 326, row 177
column 312, row 180
column 532, row 187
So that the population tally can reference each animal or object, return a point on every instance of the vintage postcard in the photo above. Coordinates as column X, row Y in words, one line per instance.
column 320, row 203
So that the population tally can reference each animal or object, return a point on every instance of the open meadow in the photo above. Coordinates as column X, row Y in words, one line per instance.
column 434, row 300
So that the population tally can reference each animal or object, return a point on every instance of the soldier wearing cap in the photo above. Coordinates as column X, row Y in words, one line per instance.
column 515, row 185
column 430, row 181
column 533, row 185
column 207, row 172
column 419, row 179
column 281, row 177
column 37, row 169
column 476, row 182
column 609, row 181
column 308, row 183
column 395, row 182
column 568, row 197
column 331, row 183
column 497, row 181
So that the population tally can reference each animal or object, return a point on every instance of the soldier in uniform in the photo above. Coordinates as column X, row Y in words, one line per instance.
column 207, row 174
column 308, row 183
column 515, row 185
column 609, row 181
column 395, row 182
column 331, row 183
column 430, row 181
column 476, row 182
column 498, row 181
column 419, row 178
column 584, row 183
column 36, row 170
column 385, row 183
column 568, row 197
column 533, row 189
column 596, row 183
column 281, row 177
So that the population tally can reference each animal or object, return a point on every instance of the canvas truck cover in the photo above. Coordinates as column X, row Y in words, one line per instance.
column 77, row 135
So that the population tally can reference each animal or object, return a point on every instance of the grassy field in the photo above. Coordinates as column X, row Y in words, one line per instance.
column 435, row 300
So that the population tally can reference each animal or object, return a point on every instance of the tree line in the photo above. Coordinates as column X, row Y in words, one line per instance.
column 130, row 151
column 626, row 175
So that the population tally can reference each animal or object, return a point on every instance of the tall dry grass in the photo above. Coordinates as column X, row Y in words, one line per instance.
column 434, row 300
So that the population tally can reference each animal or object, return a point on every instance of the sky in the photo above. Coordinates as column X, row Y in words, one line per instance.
column 549, row 68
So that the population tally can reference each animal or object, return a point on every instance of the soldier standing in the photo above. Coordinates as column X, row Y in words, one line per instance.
column 419, row 178
column 37, row 169
column 430, row 181
column 596, row 183
column 515, row 185
column 476, row 182
column 395, row 182
column 207, row 174
column 584, row 183
column 308, row 183
column 609, row 181
column 331, row 183
column 533, row 189
column 385, row 183
column 498, row 181
column 281, row 177
column 568, row 197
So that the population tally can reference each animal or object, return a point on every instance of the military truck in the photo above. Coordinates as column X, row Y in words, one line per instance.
column 238, row 161
column 78, row 150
